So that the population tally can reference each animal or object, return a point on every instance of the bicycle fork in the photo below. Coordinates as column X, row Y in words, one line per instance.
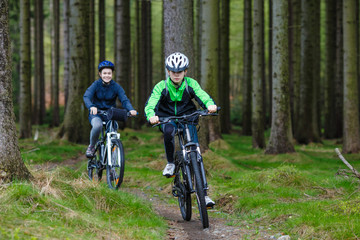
column 109, row 137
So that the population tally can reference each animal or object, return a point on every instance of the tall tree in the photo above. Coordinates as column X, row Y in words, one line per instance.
column 330, row 73
column 55, row 63
column 144, row 56
column 281, row 133
column 317, row 109
column 11, row 165
column 122, row 45
column 294, row 56
column 224, row 81
column 93, row 67
column 339, row 66
column 25, row 70
column 102, row 30
column 210, row 58
column 257, row 121
column 247, row 69
column 66, row 9
column 76, row 126
column 305, row 131
column 351, row 143
column 39, row 86
column 178, row 30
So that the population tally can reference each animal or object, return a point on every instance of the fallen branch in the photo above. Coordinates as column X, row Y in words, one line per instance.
column 356, row 173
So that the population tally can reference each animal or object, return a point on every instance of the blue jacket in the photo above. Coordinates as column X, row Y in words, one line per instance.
column 104, row 96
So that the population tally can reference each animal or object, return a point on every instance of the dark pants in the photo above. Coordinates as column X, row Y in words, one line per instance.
column 169, row 141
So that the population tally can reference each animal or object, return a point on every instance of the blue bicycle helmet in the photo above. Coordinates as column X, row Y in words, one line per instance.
column 106, row 64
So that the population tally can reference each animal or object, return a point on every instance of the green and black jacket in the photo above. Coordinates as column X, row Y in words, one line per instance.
column 176, row 101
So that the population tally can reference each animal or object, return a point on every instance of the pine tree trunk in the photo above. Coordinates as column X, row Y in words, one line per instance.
column 257, row 123
column 66, row 43
column 39, row 86
column 102, row 30
column 281, row 133
column 179, row 31
column 305, row 131
column 210, row 59
column 12, row 166
column 224, row 83
column 55, row 65
column 351, row 142
column 122, row 43
column 92, row 66
column 339, row 78
column 330, row 73
column 247, row 69
column 25, row 70
column 76, row 126
column 294, row 65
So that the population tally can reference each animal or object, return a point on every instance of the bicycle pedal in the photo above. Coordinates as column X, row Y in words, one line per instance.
column 169, row 176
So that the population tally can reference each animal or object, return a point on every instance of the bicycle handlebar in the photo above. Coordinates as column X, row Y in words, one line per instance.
column 163, row 120
column 103, row 112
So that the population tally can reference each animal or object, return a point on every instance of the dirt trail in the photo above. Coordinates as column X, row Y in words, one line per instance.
column 180, row 229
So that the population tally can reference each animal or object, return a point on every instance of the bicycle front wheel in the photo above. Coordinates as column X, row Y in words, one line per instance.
column 115, row 172
column 200, row 191
column 183, row 193
column 94, row 167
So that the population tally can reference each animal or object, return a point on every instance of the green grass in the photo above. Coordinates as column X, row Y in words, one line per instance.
column 298, row 194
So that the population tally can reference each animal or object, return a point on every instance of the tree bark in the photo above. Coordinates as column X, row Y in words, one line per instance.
column 76, row 126
column 25, row 70
column 305, row 131
column 66, row 43
column 247, row 69
column 351, row 142
column 224, row 82
column 12, row 166
column 257, row 123
column 102, row 30
column 55, row 64
column 330, row 73
column 122, row 40
column 339, row 66
column 281, row 133
column 39, row 85
column 210, row 59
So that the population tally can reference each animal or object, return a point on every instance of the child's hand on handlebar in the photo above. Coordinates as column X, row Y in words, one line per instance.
column 212, row 108
column 154, row 120
column 133, row 112
column 93, row 110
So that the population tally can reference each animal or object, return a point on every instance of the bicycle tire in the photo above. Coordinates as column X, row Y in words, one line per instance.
column 199, row 189
column 115, row 173
column 184, row 195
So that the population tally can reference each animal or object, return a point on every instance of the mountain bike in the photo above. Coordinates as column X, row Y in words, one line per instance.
column 189, row 175
column 109, row 151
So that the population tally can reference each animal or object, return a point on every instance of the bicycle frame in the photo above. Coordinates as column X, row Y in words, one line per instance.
column 108, row 133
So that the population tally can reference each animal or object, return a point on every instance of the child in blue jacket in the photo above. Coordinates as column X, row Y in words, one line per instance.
column 102, row 95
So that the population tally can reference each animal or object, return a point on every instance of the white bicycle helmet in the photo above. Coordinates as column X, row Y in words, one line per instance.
column 177, row 62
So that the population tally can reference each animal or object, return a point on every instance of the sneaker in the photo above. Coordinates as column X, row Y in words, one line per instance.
column 90, row 151
column 209, row 203
column 169, row 170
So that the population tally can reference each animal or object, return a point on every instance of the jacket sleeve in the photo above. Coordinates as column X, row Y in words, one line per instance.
column 201, row 96
column 125, row 102
column 89, row 95
column 153, row 100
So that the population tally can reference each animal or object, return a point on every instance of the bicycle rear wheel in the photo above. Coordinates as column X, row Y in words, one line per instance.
column 200, row 191
column 115, row 172
column 183, row 193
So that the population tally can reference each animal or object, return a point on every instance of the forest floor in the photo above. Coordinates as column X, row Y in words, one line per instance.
column 179, row 229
